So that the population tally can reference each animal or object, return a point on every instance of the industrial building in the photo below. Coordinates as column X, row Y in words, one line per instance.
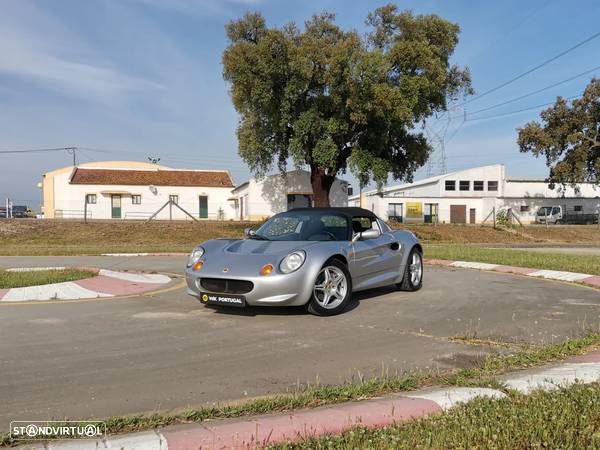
column 469, row 196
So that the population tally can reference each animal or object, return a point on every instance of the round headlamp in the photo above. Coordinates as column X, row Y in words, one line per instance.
column 292, row 262
column 195, row 256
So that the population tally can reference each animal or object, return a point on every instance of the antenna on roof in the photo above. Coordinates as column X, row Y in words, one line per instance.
column 153, row 159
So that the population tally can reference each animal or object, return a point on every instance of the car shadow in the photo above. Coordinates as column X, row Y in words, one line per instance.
column 252, row 311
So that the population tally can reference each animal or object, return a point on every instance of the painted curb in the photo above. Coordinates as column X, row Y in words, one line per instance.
column 107, row 283
column 559, row 275
column 254, row 432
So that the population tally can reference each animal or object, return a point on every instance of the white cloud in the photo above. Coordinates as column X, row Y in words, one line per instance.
column 197, row 7
column 35, row 48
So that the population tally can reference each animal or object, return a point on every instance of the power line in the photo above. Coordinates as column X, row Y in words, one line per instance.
column 36, row 150
column 521, row 97
column 533, row 69
column 521, row 110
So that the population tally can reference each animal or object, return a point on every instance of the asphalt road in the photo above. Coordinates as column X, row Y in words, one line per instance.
column 93, row 359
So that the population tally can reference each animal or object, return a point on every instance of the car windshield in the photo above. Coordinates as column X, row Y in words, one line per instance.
column 305, row 226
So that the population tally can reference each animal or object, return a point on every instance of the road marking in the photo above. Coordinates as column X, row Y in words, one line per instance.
column 136, row 277
column 447, row 398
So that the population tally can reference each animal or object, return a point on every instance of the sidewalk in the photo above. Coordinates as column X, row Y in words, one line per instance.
column 574, row 277
column 251, row 432
column 108, row 283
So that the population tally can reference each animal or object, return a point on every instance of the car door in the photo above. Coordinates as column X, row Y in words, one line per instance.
column 375, row 261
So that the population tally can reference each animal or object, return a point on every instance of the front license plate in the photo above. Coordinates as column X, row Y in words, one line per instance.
column 223, row 300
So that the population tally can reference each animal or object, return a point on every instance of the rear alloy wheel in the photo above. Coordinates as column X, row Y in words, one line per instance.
column 332, row 290
column 413, row 273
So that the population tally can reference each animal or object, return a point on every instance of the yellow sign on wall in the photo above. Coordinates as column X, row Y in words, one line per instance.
column 414, row 210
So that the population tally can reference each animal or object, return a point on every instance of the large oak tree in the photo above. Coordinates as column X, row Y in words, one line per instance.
column 334, row 100
column 568, row 137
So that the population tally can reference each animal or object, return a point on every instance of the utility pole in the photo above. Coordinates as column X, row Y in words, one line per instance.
column 72, row 151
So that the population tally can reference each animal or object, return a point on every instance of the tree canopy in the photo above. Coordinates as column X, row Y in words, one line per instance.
column 335, row 100
column 568, row 137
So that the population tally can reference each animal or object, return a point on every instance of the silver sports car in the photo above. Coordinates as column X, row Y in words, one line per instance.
column 309, row 256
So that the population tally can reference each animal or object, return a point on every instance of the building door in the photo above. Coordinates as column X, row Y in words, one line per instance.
column 458, row 213
column 472, row 215
column 115, row 206
column 430, row 214
column 203, row 200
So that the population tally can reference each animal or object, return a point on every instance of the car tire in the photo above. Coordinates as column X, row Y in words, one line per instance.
column 413, row 272
column 329, row 298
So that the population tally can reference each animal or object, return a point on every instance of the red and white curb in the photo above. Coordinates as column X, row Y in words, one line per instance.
column 574, row 277
column 145, row 254
column 376, row 413
column 107, row 283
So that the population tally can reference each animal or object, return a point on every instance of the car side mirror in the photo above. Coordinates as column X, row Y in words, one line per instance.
column 249, row 232
column 368, row 234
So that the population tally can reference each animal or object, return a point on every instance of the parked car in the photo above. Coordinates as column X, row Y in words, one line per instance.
column 2, row 212
column 558, row 214
column 21, row 212
column 307, row 256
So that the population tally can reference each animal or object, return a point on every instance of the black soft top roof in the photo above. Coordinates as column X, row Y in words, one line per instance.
column 351, row 211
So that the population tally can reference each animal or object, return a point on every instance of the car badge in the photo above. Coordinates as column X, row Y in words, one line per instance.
column 225, row 269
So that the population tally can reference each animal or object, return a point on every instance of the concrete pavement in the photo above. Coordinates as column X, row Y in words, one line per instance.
column 167, row 352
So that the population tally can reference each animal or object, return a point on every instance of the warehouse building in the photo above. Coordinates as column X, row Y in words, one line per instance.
column 259, row 198
column 469, row 196
column 136, row 190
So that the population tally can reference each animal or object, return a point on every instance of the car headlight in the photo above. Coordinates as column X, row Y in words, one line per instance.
column 292, row 262
column 195, row 256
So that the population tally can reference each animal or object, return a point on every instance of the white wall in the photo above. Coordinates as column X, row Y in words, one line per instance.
column 268, row 196
column 70, row 199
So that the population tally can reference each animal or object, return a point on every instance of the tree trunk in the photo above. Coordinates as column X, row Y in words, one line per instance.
column 321, row 185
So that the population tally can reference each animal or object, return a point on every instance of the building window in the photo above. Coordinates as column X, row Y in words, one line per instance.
column 524, row 208
column 174, row 199
column 578, row 208
column 492, row 185
column 465, row 185
column 450, row 185
column 395, row 212
column 478, row 185
column 350, row 191
column 90, row 199
column 136, row 199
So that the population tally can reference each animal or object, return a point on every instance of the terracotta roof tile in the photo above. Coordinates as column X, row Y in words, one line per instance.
column 151, row 177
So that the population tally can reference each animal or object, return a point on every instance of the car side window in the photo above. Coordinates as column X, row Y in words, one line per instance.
column 360, row 224
column 555, row 210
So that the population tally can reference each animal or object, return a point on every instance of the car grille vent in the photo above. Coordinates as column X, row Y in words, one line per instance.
column 226, row 286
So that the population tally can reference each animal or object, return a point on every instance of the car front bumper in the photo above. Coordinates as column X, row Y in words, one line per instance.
column 275, row 289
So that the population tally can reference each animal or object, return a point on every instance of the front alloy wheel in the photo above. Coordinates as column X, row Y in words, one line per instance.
column 332, row 290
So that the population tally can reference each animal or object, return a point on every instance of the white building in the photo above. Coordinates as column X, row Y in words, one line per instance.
column 257, row 199
column 468, row 196
column 135, row 190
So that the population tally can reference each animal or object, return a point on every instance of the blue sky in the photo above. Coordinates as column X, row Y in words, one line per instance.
column 143, row 77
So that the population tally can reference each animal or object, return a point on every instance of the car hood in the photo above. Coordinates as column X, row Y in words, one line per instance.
column 258, row 247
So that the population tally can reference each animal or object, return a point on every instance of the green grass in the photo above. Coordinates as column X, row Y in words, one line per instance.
column 520, row 258
column 22, row 279
column 568, row 418
column 319, row 395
